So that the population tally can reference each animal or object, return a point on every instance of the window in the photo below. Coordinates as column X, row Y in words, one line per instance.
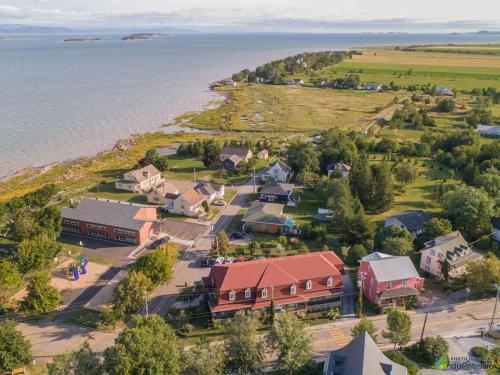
column 404, row 282
column 232, row 295
column 428, row 260
column 248, row 293
column 329, row 281
column 389, row 286
column 293, row 289
column 263, row 293
column 309, row 284
column 433, row 252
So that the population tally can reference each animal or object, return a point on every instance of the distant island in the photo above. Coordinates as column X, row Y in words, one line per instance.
column 142, row 36
column 77, row 40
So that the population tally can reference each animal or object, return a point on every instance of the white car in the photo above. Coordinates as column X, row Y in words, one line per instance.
column 220, row 260
column 219, row 203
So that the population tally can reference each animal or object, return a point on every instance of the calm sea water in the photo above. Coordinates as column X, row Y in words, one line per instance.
column 64, row 100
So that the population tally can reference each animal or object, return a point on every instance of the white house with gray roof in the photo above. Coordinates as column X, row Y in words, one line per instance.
column 280, row 171
column 452, row 249
column 411, row 220
column 142, row 179
column 361, row 357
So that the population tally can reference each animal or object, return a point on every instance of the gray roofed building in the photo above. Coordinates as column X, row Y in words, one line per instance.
column 375, row 256
column 488, row 130
column 412, row 220
column 277, row 188
column 452, row 248
column 361, row 357
column 106, row 212
column 279, row 171
column 242, row 153
column 208, row 188
column 393, row 268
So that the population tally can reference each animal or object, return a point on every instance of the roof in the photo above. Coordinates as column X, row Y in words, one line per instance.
column 235, row 159
column 487, row 129
column 192, row 196
column 277, row 188
column 339, row 167
column 454, row 248
column 495, row 222
column 283, row 165
column 412, row 219
column 207, row 188
column 375, row 256
column 361, row 357
column 173, row 187
column 403, row 291
column 106, row 212
column 268, row 213
column 263, row 152
column 144, row 173
column 276, row 271
column 241, row 152
column 393, row 268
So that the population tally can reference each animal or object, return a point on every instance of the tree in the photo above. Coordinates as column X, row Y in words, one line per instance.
column 289, row 339
column 15, row 350
column 397, row 246
column 10, row 279
column 489, row 183
column 244, row 352
column 129, row 295
column 149, row 346
column 364, row 325
column 158, row 264
column 383, row 191
column 50, row 219
column 84, row 361
column 356, row 252
column 203, row 359
column 23, row 226
column 445, row 105
column 340, row 199
column 364, row 182
column 41, row 297
column 437, row 227
column 406, row 173
column 470, row 209
column 152, row 156
column 430, row 350
column 222, row 243
column 303, row 158
column 36, row 253
column 483, row 274
column 399, row 327
column 358, row 229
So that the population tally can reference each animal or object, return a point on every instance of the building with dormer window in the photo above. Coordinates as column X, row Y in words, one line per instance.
column 304, row 282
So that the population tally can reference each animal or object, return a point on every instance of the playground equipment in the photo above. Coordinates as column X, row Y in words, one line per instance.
column 78, row 267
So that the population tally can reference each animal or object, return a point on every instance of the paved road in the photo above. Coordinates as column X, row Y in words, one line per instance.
column 188, row 269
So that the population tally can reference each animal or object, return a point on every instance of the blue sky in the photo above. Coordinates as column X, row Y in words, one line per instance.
column 260, row 15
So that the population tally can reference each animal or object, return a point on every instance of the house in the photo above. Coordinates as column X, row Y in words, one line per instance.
column 244, row 154
column 388, row 280
column 110, row 220
column 294, row 82
column 324, row 214
column 451, row 250
column 142, row 179
column 495, row 223
column 278, row 172
column 445, row 91
column 411, row 220
column 489, row 131
column 210, row 190
column 188, row 203
column 306, row 282
column 373, row 87
column 267, row 218
column 175, row 187
column 342, row 168
column 277, row 192
column 361, row 357
column 263, row 154
column 231, row 162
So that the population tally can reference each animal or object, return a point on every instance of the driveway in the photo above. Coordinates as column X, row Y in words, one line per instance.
column 347, row 303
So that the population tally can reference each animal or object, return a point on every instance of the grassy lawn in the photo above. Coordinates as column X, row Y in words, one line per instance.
column 307, row 208
column 85, row 318
column 107, row 190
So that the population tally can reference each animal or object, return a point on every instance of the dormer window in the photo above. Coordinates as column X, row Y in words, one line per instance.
column 329, row 281
column 248, row 293
column 263, row 293
column 309, row 284
column 389, row 285
column 293, row 289
column 232, row 295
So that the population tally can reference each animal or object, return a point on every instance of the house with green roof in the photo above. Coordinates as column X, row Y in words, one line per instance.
column 267, row 218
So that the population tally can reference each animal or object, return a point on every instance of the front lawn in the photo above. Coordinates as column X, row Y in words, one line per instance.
column 305, row 211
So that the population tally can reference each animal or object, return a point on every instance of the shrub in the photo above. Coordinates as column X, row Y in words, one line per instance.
column 403, row 360
column 431, row 349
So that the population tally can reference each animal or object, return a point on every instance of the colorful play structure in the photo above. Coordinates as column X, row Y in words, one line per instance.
column 78, row 267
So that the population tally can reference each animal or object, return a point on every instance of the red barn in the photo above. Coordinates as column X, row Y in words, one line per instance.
column 305, row 282
column 387, row 280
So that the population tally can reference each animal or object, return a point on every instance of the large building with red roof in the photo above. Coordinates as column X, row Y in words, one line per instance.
column 304, row 282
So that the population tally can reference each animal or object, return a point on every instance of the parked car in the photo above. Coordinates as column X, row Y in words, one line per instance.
column 206, row 262
column 219, row 203
column 220, row 260
column 229, row 260
column 157, row 243
column 237, row 235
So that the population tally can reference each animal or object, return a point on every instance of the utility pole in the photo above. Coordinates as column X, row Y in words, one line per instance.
column 254, row 187
column 194, row 174
column 146, row 303
column 494, row 309
column 421, row 337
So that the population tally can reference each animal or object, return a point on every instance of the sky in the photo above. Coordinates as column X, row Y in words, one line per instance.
column 259, row 15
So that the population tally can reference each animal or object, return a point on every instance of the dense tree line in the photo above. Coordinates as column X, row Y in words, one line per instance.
column 411, row 117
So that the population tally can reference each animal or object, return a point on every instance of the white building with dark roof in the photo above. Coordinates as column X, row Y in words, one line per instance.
column 280, row 171
column 142, row 179
column 412, row 220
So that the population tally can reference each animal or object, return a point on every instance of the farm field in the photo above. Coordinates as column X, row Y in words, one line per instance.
column 459, row 71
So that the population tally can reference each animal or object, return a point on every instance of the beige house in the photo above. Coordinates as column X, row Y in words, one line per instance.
column 263, row 154
column 142, row 179
column 188, row 203
column 452, row 249
column 210, row 190
column 244, row 154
